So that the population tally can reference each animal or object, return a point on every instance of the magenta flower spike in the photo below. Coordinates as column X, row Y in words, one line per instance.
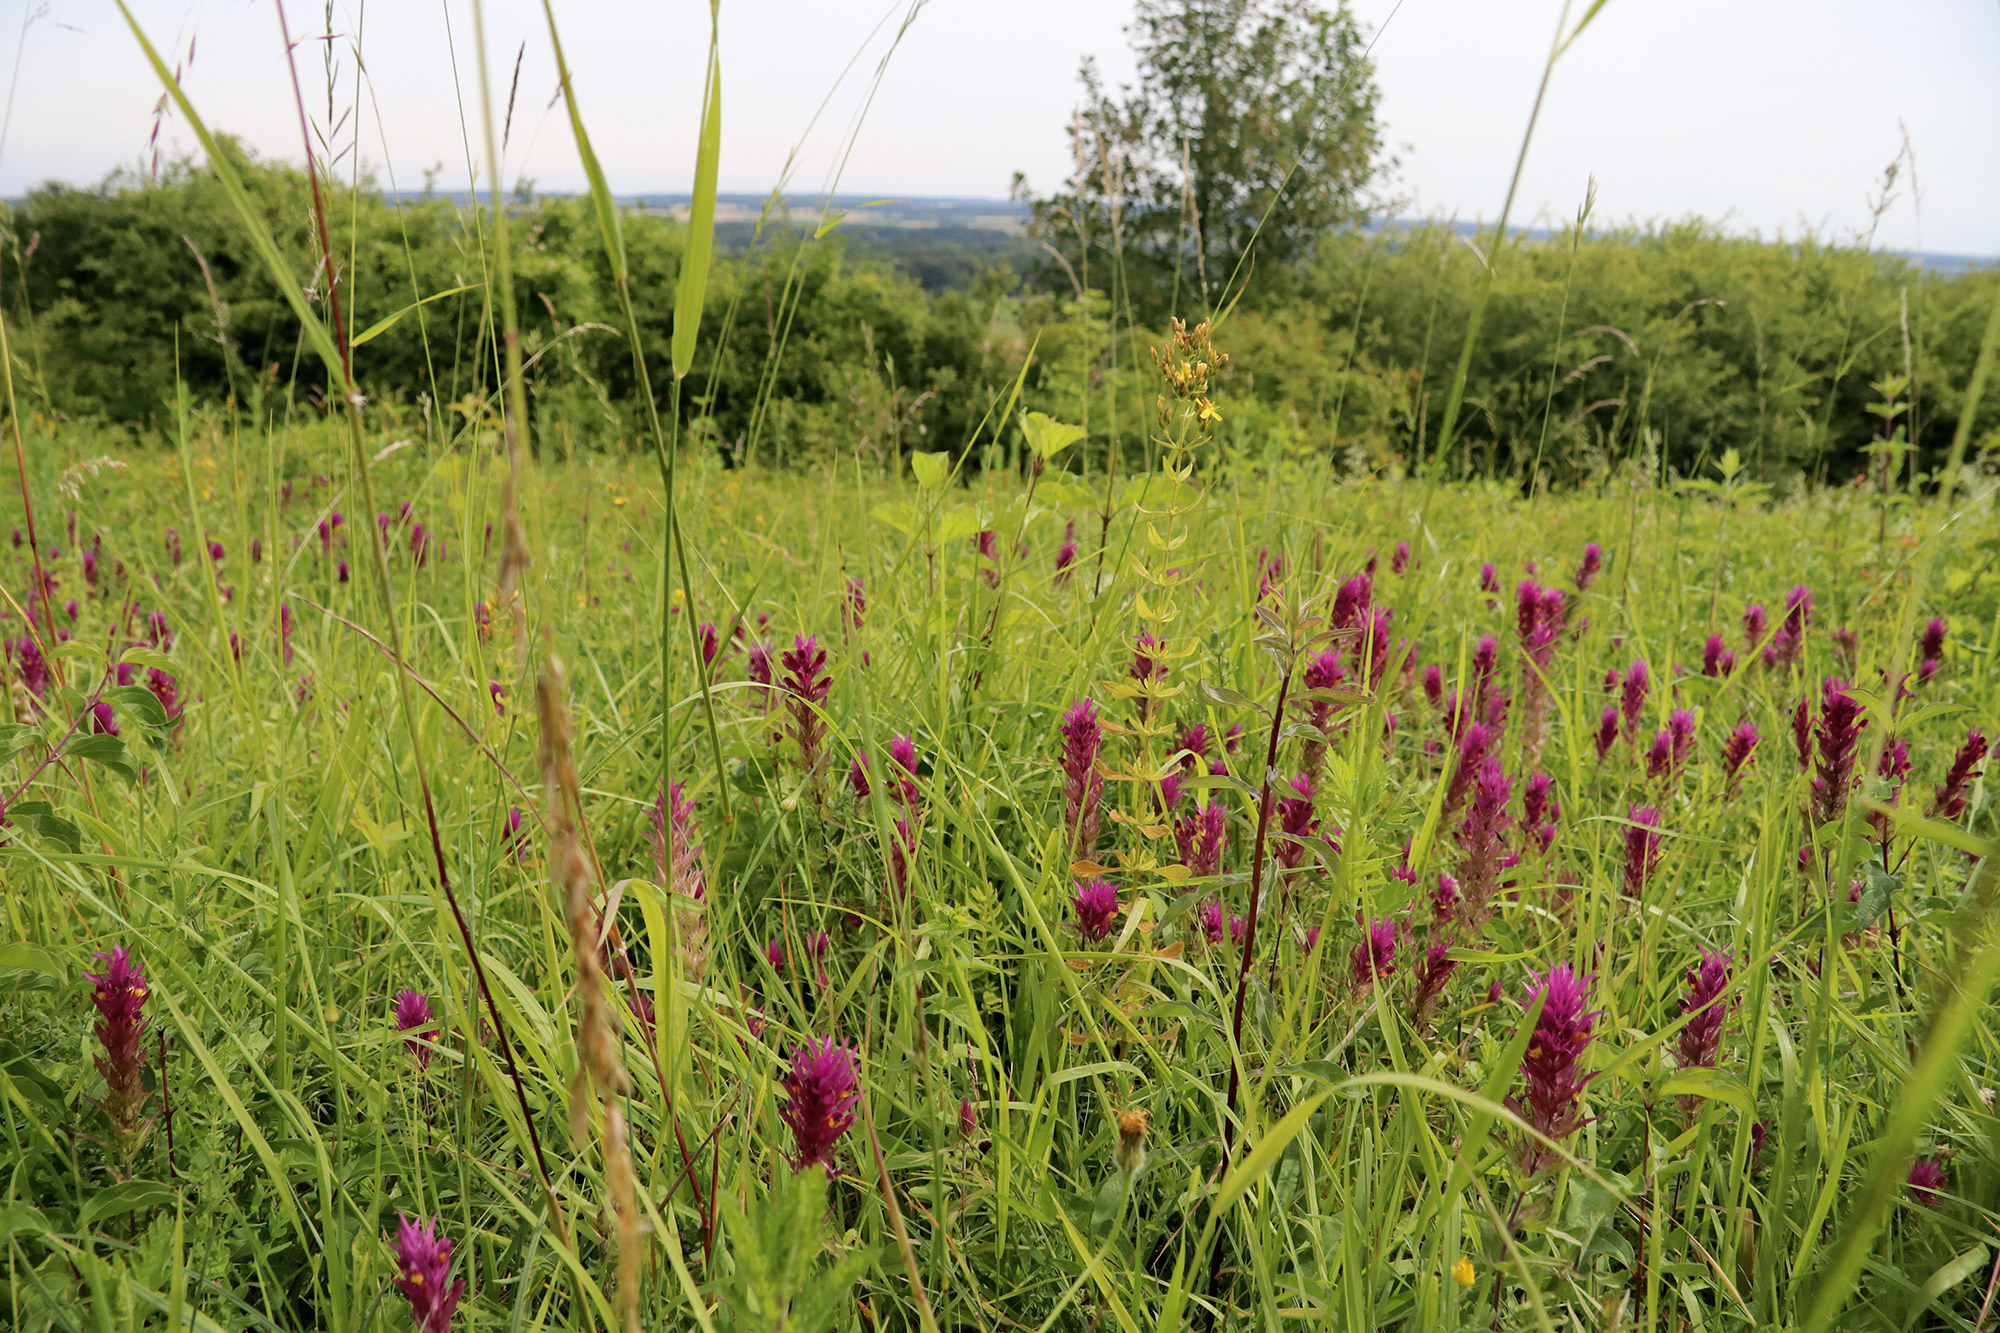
column 1399, row 561
column 806, row 687
column 1555, row 1084
column 1210, row 920
column 1632, row 699
column 1146, row 665
column 1701, row 1039
column 423, row 1266
column 1375, row 956
column 854, row 604
column 1353, row 599
column 1540, row 809
column 820, row 1098
column 1096, row 905
column 413, row 1014
column 1738, row 750
column 1489, row 578
column 711, row 643
column 1593, row 561
column 1928, row 1181
column 1642, row 848
column 1435, row 976
column 1295, row 818
column 857, row 778
column 774, row 954
column 119, row 994
column 1838, row 734
column 1802, row 726
column 1716, row 659
column 1083, row 785
column 1445, row 901
column 1199, row 834
column 1481, row 838
column 1949, row 800
column 968, row 1119
column 103, row 721
column 1471, row 750
column 1754, row 625
column 1607, row 731
column 1196, row 741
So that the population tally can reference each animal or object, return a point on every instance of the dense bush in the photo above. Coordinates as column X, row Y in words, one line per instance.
column 1669, row 345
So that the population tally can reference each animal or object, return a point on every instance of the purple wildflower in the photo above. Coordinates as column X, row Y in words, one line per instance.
column 1593, row 561
column 1549, row 1068
column 1083, row 785
column 1481, row 837
column 1607, row 731
column 1540, row 809
column 1431, row 981
column 1839, row 732
column 1701, row 1039
column 1399, row 561
column 423, row 1263
column 1738, row 750
column 1642, row 848
column 1949, row 800
column 1928, row 1181
column 1198, row 834
column 1096, row 905
column 120, row 996
column 1717, row 660
column 1209, row 917
column 1295, row 818
column 1489, row 578
column 1632, row 701
column 413, row 1014
column 820, row 1097
column 1375, row 956
column 806, row 688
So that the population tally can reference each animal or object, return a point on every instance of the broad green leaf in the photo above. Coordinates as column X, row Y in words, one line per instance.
column 932, row 470
column 125, row 1197
column 106, row 750
column 1048, row 437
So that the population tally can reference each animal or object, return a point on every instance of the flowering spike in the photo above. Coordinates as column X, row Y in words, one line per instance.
column 1701, row 1039
column 120, row 996
column 1593, row 561
column 1949, row 800
column 1083, row 785
column 820, row 1096
column 1839, row 731
column 1642, row 848
column 413, row 1014
column 806, row 688
column 1096, row 905
column 1928, row 1181
column 423, row 1263
column 1481, row 837
column 1738, row 750
column 1375, row 956
column 1549, row 1068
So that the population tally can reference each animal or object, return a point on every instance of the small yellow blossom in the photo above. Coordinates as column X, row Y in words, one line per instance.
column 1461, row 1272
column 1208, row 410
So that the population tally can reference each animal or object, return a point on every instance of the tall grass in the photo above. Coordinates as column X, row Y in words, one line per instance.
column 293, row 789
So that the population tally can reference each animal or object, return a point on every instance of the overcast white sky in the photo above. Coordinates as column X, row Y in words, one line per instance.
column 1772, row 115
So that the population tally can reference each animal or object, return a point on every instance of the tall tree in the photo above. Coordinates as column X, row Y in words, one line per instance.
column 1251, row 131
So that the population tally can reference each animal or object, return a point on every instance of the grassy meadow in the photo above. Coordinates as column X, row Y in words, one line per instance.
column 1020, row 877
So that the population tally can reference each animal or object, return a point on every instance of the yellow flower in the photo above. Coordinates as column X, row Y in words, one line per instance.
column 1461, row 1272
column 1208, row 410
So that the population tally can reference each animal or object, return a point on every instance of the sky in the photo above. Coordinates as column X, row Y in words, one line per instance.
column 1773, row 117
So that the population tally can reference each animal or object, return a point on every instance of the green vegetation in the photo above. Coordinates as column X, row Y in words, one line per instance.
column 883, row 810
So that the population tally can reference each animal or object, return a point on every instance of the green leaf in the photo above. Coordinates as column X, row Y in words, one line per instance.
column 14, row 737
column 20, row 1219
column 106, row 750
column 140, row 702
column 932, row 470
column 383, row 325
column 125, row 1197
column 692, row 288
column 1876, row 895
column 1048, row 437
column 1712, row 1084
column 42, row 818
column 32, row 958
column 898, row 514
column 1105, row 1209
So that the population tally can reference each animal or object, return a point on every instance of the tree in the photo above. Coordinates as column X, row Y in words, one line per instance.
column 1251, row 132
